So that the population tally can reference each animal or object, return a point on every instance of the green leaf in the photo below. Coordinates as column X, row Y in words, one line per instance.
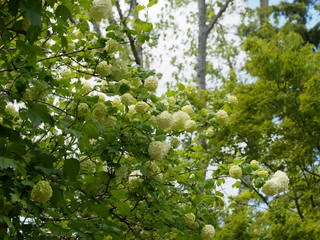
column 152, row 2
column 236, row 184
column 123, row 208
column 139, row 8
column 71, row 168
column 39, row 113
column 119, row 194
column 101, row 210
column 124, row 88
column 62, row 12
column 7, row 162
column 90, row 130
column 33, row 10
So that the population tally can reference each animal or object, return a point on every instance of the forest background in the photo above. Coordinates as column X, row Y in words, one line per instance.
column 90, row 150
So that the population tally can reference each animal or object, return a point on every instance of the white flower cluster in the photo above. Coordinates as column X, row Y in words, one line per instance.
column 135, row 177
column 221, row 116
column 188, row 109
column 85, row 165
column 141, row 107
column 66, row 74
column 104, row 69
column 190, row 126
column 122, row 172
column 83, row 108
column 255, row 164
column 235, row 172
column 79, row 34
column 86, row 87
column 101, row 9
column 41, row 192
column 190, row 221
column 277, row 184
column 127, row 99
column 158, row 150
column 233, row 100
column 151, row 84
column 263, row 173
column 11, row 110
column 209, row 132
column 174, row 142
column 119, row 68
column 165, row 120
column 207, row 232
column 179, row 120
column 112, row 46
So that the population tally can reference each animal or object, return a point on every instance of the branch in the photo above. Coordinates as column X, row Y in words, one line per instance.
column 216, row 17
column 257, row 192
column 131, row 39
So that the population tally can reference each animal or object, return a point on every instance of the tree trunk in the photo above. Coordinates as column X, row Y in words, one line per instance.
column 202, row 45
column 263, row 15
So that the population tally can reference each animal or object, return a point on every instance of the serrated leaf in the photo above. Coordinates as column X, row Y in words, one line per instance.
column 90, row 130
column 7, row 162
column 119, row 194
column 236, row 184
column 71, row 168
column 62, row 12
column 123, row 208
column 39, row 114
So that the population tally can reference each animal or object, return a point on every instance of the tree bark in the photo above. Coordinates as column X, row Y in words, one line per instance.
column 202, row 45
column 263, row 16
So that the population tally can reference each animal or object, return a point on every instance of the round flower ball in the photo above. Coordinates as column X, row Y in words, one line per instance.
column 188, row 109
column 209, row 132
column 263, row 173
column 190, row 126
column 127, row 99
column 101, row 9
column 283, row 180
column 255, row 164
column 235, row 172
column 86, row 87
column 179, row 120
column 174, row 142
column 112, row 46
column 233, row 100
column 100, row 111
column 83, row 108
column 271, row 187
column 207, row 232
column 66, row 74
column 164, row 120
column 158, row 150
column 189, row 219
column 11, row 110
column 141, row 107
column 151, row 84
column 104, row 69
column 221, row 116
column 41, row 192
column 119, row 68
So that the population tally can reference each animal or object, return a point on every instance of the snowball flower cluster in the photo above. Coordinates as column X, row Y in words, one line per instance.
column 263, row 173
column 41, row 192
column 254, row 164
column 165, row 103
column 188, row 109
column 235, row 172
column 277, row 184
column 207, row 232
column 116, row 101
column 71, row 47
column 164, row 120
column 86, row 87
column 66, row 74
column 104, row 69
column 11, row 110
column 119, row 68
column 174, row 142
column 172, row 101
column 209, row 132
column 151, row 84
column 127, row 99
column 135, row 176
column 158, row 150
column 221, row 116
column 101, row 9
column 104, row 85
column 179, row 120
column 100, row 111
column 233, row 100
column 83, row 108
column 108, row 122
column 141, row 107
column 191, row 89
column 79, row 34
column 189, row 219
column 190, row 126
column 112, row 46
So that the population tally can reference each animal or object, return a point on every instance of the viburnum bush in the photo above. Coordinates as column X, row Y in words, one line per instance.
column 85, row 142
